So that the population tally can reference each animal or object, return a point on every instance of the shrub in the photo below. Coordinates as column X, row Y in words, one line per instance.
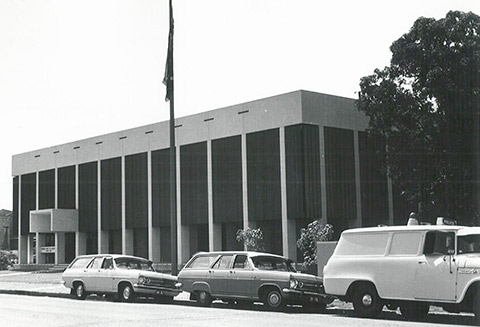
column 309, row 236
column 251, row 238
column 6, row 259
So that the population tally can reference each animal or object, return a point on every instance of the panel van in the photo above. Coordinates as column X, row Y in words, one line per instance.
column 407, row 267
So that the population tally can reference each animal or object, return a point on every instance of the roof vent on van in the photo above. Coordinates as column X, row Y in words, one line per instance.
column 445, row 221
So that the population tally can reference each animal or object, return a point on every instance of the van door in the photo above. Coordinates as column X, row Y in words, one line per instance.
column 435, row 276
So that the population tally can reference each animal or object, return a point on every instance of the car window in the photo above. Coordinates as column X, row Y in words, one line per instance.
column 133, row 263
column 272, row 263
column 241, row 262
column 469, row 244
column 405, row 243
column 107, row 263
column 362, row 244
column 80, row 263
column 224, row 262
column 202, row 262
column 96, row 263
column 437, row 242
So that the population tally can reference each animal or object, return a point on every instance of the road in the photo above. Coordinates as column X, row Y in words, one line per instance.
column 18, row 310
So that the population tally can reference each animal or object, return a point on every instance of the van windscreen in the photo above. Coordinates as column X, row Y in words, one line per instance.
column 362, row 244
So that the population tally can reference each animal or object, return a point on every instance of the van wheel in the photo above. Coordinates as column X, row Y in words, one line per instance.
column 126, row 293
column 366, row 302
column 274, row 300
column 79, row 291
column 415, row 311
column 476, row 307
column 204, row 299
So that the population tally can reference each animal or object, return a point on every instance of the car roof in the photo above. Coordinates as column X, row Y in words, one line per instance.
column 249, row 253
column 405, row 228
column 114, row 256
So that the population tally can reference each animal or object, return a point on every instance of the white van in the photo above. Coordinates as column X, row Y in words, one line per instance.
column 410, row 267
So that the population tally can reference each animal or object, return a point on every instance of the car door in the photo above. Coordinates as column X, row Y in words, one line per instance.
column 104, row 276
column 218, row 274
column 240, row 278
column 91, row 274
column 435, row 276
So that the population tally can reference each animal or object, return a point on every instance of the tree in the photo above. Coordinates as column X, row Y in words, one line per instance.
column 307, row 243
column 251, row 238
column 425, row 108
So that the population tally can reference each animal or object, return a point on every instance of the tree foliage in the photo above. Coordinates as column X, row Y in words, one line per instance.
column 307, row 243
column 425, row 106
column 252, row 239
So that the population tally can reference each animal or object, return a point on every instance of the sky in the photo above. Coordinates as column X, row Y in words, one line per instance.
column 71, row 70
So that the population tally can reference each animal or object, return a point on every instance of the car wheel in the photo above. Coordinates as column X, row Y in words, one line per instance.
column 415, row 311
column 204, row 299
column 126, row 293
column 476, row 307
column 366, row 302
column 79, row 291
column 274, row 299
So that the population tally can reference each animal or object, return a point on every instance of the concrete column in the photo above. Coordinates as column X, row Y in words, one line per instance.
column 211, row 234
column 104, row 243
column 185, row 250
column 181, row 241
column 288, row 248
column 80, row 243
column 292, row 240
column 40, row 243
column 59, row 248
column 127, row 234
column 244, row 182
column 358, row 189
column 391, row 218
column 102, row 236
column 155, row 254
column 151, row 248
column 323, row 175
column 217, row 237
column 23, row 242
column 56, row 186
column 29, row 248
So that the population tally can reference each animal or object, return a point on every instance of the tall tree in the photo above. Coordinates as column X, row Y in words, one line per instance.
column 425, row 107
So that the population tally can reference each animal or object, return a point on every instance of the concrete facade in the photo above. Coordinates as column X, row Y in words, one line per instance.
column 324, row 131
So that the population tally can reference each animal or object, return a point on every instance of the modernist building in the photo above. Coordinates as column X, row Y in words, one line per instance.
column 276, row 163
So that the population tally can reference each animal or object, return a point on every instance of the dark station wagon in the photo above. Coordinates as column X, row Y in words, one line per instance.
column 249, row 277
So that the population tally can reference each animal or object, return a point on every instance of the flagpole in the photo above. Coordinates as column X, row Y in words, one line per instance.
column 169, row 81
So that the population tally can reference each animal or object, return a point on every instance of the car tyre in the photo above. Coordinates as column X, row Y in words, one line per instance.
column 476, row 307
column 126, row 293
column 415, row 311
column 204, row 299
column 79, row 291
column 366, row 302
column 274, row 300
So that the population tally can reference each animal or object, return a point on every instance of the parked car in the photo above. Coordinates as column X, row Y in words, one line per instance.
column 410, row 267
column 118, row 275
column 248, row 277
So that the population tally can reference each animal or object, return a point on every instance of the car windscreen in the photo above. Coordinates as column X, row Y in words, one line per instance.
column 469, row 243
column 273, row 263
column 132, row 263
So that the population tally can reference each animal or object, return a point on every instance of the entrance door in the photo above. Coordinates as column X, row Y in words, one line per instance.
column 69, row 247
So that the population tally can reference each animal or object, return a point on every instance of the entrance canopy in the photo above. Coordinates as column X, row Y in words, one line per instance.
column 53, row 220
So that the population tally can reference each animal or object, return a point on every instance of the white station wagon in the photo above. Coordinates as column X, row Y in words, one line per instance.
column 410, row 267
column 118, row 275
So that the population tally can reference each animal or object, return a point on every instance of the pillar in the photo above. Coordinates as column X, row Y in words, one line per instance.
column 59, row 248
column 323, row 175
column 39, row 244
column 358, row 189
column 289, row 247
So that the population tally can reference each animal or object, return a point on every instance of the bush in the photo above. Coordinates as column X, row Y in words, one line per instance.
column 251, row 238
column 307, row 243
column 7, row 259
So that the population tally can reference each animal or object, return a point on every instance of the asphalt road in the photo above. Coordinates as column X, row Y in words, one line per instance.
column 18, row 310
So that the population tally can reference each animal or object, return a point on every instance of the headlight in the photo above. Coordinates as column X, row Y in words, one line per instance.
column 293, row 283
column 141, row 280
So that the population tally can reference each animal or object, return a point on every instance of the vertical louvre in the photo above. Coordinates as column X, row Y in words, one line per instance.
column 136, row 190
column 227, row 180
column 28, row 200
column 194, row 190
column 46, row 189
column 66, row 187
column 88, row 201
column 340, row 177
column 111, row 186
column 302, row 151
column 161, row 188
column 374, row 189
column 263, row 166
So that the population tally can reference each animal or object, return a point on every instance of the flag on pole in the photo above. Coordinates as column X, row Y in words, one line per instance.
column 168, row 78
